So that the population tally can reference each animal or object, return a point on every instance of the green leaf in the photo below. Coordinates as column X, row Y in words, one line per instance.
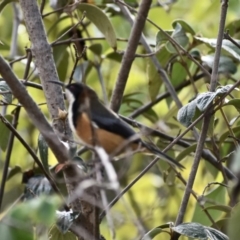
column 214, row 234
column 4, row 133
column 220, row 207
column 4, row 3
column 201, row 102
column 155, row 231
column 101, row 21
column 186, row 113
column 151, row 115
column 43, row 150
column 178, row 74
column 234, row 102
column 226, row 45
column 196, row 230
column 226, row 64
column 186, row 152
column 218, row 196
column 152, row 233
column 62, row 62
column 192, row 230
column 114, row 56
column 162, row 39
column 223, row 137
column 96, row 48
column 233, row 224
column 13, row 171
column 179, row 35
column 55, row 234
column 14, row 231
column 235, row 163
column 39, row 210
column 184, row 25
column 154, row 80
column 233, row 27
column 7, row 97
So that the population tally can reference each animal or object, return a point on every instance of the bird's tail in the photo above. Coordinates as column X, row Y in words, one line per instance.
column 154, row 150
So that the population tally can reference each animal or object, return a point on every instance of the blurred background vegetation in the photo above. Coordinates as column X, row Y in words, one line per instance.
column 156, row 197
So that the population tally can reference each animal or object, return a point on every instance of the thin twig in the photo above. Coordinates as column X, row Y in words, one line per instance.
column 29, row 61
column 8, row 154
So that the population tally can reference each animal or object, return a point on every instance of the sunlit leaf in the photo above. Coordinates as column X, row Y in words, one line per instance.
column 186, row 152
column 217, row 195
column 15, row 231
column 179, row 35
column 42, row 209
column 233, row 226
column 223, row 137
column 155, row 231
column 13, row 171
column 220, row 207
column 226, row 45
column 178, row 74
column 162, row 39
column 4, row 3
column 184, row 25
column 152, row 233
column 101, row 21
column 233, row 102
column 233, row 27
column 96, row 48
column 154, row 80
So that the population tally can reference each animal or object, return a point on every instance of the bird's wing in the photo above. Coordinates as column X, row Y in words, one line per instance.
column 109, row 121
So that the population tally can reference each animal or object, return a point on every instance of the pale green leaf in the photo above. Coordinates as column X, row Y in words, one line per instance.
column 101, row 21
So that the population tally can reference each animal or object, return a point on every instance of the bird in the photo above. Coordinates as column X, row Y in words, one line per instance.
column 95, row 124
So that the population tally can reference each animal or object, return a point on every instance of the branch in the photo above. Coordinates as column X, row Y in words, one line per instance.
column 33, row 111
column 44, row 62
column 206, row 121
column 129, row 55
column 154, row 59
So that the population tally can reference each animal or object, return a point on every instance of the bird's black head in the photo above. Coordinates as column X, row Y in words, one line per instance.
column 76, row 89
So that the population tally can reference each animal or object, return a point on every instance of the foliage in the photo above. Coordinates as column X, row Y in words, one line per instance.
column 183, row 38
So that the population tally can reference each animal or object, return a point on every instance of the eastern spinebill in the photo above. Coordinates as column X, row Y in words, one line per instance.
column 95, row 124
